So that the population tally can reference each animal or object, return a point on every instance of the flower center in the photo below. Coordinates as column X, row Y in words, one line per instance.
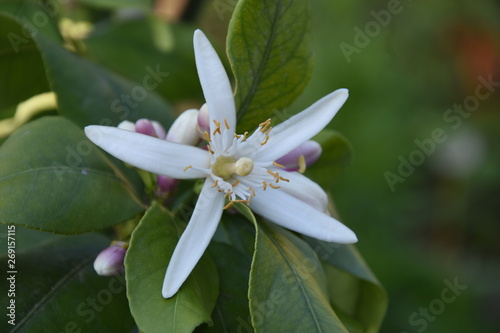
column 226, row 166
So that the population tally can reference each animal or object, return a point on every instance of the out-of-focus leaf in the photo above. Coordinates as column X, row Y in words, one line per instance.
column 269, row 47
column 151, row 247
column 336, row 156
column 231, row 311
column 22, row 74
column 57, row 290
column 53, row 179
column 355, row 293
column 129, row 48
column 117, row 4
column 89, row 94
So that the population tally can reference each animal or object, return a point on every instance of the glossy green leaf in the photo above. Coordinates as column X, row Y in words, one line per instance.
column 288, row 288
column 21, row 67
column 355, row 293
column 335, row 158
column 57, row 290
column 231, row 313
column 53, row 179
column 89, row 94
column 151, row 247
column 130, row 47
column 269, row 47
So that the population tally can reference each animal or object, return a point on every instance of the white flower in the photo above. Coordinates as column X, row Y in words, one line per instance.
column 237, row 168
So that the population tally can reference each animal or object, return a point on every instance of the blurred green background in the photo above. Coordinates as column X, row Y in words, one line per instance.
column 409, row 65
column 440, row 221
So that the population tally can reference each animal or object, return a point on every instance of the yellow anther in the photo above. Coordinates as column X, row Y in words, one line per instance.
column 215, row 183
column 278, row 165
column 268, row 131
column 267, row 139
column 284, row 179
column 265, row 125
column 302, row 164
column 237, row 136
column 271, row 173
column 225, row 123
column 188, row 167
column 228, row 205
column 207, row 136
column 273, row 186
column 264, row 184
column 210, row 150
column 244, row 137
column 217, row 128
column 253, row 191
column 235, row 183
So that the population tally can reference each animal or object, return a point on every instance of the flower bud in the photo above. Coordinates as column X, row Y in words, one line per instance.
column 183, row 130
column 110, row 261
column 203, row 121
column 127, row 125
column 303, row 155
column 150, row 127
column 165, row 185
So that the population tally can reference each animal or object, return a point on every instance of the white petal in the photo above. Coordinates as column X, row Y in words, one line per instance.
column 304, row 189
column 216, row 86
column 294, row 214
column 195, row 239
column 149, row 153
column 303, row 126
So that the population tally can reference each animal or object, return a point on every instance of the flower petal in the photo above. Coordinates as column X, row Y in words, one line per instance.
column 149, row 153
column 304, row 189
column 195, row 239
column 216, row 86
column 294, row 214
column 303, row 126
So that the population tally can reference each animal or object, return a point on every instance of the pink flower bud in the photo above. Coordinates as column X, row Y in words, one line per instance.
column 310, row 150
column 203, row 121
column 165, row 185
column 183, row 130
column 149, row 127
column 110, row 261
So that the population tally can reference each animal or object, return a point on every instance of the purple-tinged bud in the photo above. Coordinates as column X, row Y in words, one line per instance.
column 127, row 125
column 149, row 127
column 110, row 261
column 183, row 130
column 203, row 122
column 165, row 185
column 303, row 155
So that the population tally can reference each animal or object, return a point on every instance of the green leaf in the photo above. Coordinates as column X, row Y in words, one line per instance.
column 355, row 293
column 148, row 255
column 130, row 47
column 117, row 4
column 21, row 65
column 288, row 288
column 89, row 94
column 53, row 179
column 57, row 290
column 231, row 310
column 335, row 158
column 269, row 47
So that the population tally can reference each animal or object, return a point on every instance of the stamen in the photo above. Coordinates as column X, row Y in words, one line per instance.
column 268, row 131
column 188, row 167
column 284, row 179
column 225, row 123
column 215, row 183
column 253, row 191
column 265, row 125
column 235, row 183
column 210, row 150
column 264, row 184
column 207, row 136
column 237, row 201
column 244, row 137
column 267, row 139
column 228, row 205
column 237, row 136
column 273, row 186
column 302, row 164
column 217, row 129
column 278, row 165
column 271, row 173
